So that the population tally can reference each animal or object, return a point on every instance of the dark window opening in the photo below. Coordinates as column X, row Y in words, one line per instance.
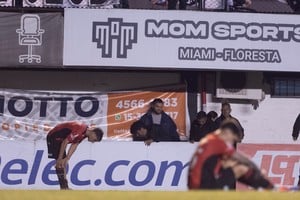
column 286, row 87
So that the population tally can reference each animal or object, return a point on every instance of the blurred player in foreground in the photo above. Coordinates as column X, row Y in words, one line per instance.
column 216, row 164
column 58, row 139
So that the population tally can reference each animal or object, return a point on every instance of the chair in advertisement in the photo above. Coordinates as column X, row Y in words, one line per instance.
column 30, row 34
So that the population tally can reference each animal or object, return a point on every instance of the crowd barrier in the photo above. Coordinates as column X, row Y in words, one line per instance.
column 128, row 165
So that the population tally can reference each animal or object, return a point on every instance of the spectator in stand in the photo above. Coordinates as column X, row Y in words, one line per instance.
column 225, row 114
column 212, row 116
column 139, row 132
column 172, row 4
column 159, row 125
column 296, row 130
column 200, row 127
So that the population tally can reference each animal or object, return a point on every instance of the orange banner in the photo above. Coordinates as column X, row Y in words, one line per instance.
column 125, row 108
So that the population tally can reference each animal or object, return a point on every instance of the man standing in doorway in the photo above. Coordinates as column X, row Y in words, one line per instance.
column 226, row 114
column 296, row 128
column 200, row 127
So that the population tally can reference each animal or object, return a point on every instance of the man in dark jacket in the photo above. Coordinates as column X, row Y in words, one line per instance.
column 139, row 132
column 225, row 114
column 296, row 128
column 161, row 125
column 200, row 127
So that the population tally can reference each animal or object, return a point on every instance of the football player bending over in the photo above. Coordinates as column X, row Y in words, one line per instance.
column 58, row 139
column 216, row 164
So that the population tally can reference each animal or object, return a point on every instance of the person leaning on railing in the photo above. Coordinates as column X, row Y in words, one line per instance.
column 155, row 125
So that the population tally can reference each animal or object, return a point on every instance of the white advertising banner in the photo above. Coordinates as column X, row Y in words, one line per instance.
column 179, row 39
column 98, row 166
column 129, row 165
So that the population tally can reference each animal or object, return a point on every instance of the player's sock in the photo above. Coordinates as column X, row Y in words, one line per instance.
column 65, row 185
column 255, row 179
column 61, row 178
column 298, row 182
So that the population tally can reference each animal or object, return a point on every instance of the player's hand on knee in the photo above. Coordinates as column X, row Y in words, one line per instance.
column 60, row 163
column 65, row 162
column 148, row 142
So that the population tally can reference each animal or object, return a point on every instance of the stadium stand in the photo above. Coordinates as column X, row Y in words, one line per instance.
column 269, row 6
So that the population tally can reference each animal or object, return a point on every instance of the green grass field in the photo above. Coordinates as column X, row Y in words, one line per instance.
column 118, row 195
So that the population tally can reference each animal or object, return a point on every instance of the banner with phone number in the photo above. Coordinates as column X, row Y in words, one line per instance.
column 29, row 115
column 125, row 108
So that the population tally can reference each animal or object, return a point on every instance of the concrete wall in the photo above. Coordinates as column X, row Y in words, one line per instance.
column 85, row 80
column 271, row 122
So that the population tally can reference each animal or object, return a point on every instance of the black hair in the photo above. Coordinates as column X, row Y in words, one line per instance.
column 99, row 133
column 157, row 100
column 212, row 114
column 226, row 104
column 136, row 126
column 232, row 125
column 201, row 114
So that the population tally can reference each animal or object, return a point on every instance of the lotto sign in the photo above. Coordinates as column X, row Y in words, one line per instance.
column 30, row 114
column 281, row 162
column 124, row 108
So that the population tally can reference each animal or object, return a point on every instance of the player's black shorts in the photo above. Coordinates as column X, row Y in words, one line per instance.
column 209, row 180
column 54, row 143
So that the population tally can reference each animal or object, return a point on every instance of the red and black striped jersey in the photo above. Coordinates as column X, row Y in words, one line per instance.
column 210, row 146
column 73, row 131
